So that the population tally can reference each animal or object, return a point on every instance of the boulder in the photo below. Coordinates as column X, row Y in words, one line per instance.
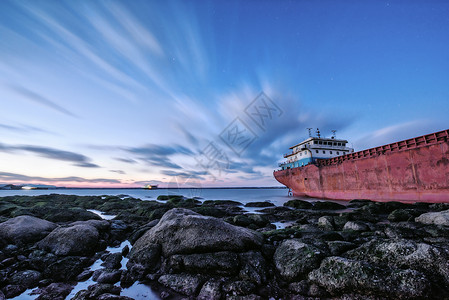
column 217, row 263
column 107, row 275
column 210, row 290
column 356, row 226
column 259, row 204
column 294, row 259
column 300, row 204
column 54, row 291
column 182, row 283
column 113, row 261
column 437, row 218
column 25, row 229
column 27, row 278
column 326, row 222
column 339, row 275
column 73, row 240
column 405, row 253
column 182, row 231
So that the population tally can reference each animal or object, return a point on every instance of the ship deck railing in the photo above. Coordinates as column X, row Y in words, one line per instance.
column 420, row 141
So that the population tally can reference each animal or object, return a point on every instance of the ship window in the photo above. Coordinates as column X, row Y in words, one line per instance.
column 324, row 152
column 335, row 144
column 320, row 142
column 316, row 151
column 338, row 153
column 331, row 152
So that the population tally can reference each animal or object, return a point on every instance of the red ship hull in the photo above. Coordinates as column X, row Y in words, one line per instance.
column 415, row 170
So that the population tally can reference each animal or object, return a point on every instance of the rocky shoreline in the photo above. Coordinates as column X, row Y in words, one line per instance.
column 189, row 249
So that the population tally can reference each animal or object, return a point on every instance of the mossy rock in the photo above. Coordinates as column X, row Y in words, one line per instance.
column 300, row 204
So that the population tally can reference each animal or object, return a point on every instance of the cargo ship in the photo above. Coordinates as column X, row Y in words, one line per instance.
column 412, row 170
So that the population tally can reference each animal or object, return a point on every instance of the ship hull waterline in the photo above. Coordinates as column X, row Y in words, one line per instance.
column 414, row 175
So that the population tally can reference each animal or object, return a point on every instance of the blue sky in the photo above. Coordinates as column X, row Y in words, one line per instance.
column 124, row 93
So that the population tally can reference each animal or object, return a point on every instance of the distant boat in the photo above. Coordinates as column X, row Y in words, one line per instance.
column 409, row 171
column 150, row 187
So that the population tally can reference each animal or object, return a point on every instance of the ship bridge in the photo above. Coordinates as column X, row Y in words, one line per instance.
column 313, row 148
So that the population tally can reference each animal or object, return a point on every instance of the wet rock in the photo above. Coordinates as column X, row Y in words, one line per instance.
column 238, row 288
column 405, row 253
column 211, row 290
column 186, row 284
column 217, row 263
column 113, row 297
column 100, row 225
column 356, row 226
column 25, row 229
column 339, row 275
column 294, row 259
column 54, row 291
column 13, row 290
column 2, row 296
column 437, row 218
column 181, row 231
column 300, row 204
column 253, row 267
column 400, row 215
column 66, row 268
column 83, row 276
column 145, row 258
column 242, row 220
column 107, row 275
column 27, row 278
column 113, row 261
column 307, row 289
column 259, row 204
column 222, row 203
column 73, row 240
column 125, row 251
column 326, row 222
column 327, row 205
column 339, row 247
column 95, row 290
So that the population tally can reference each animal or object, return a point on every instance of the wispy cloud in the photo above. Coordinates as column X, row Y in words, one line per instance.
column 118, row 171
column 20, row 128
column 25, row 178
column 126, row 160
column 77, row 159
column 39, row 99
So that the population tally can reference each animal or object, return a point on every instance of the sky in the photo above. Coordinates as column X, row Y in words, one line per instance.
column 209, row 93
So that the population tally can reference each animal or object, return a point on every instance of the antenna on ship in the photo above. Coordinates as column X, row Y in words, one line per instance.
column 310, row 131
column 333, row 134
column 318, row 132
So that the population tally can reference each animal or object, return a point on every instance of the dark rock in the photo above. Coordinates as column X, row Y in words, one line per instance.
column 300, row 204
column 73, row 240
column 326, row 222
column 356, row 226
column 107, row 275
column 436, row 218
column 144, row 258
column 339, row 275
column 400, row 215
column 211, row 290
column 242, row 220
column 339, row 247
column 113, row 261
column 55, row 291
column 212, row 211
column 238, row 288
column 13, row 290
column 294, row 259
column 66, row 268
column 306, row 288
column 259, row 220
column 359, row 202
column 405, row 253
column 83, row 276
column 217, row 263
column 182, row 231
column 25, row 229
column 28, row 278
column 95, row 290
column 221, row 203
column 259, row 204
column 100, row 225
column 2, row 296
column 113, row 297
column 327, row 205
column 186, row 284
column 125, row 251
column 253, row 267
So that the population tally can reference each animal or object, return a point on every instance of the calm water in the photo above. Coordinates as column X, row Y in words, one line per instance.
column 276, row 196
